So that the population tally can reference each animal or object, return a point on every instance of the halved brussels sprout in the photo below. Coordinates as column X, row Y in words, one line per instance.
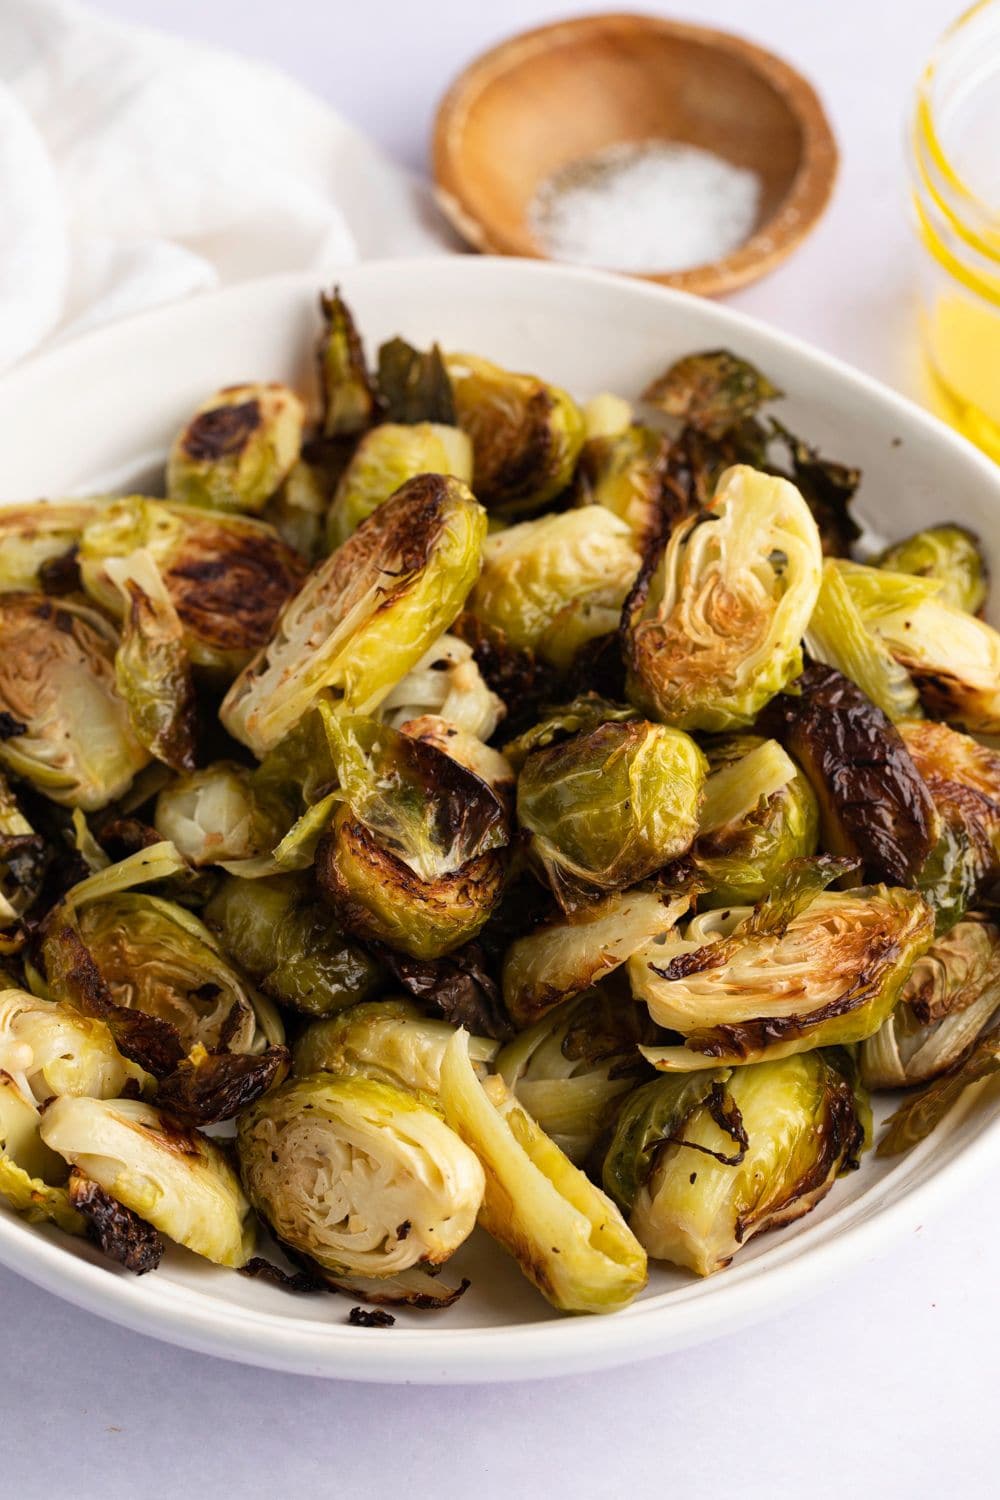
column 953, row 657
column 49, row 1049
column 838, row 636
column 179, row 1180
column 712, row 629
column 609, row 807
column 567, row 1237
column 873, row 801
column 537, row 573
column 348, row 399
column 39, row 533
column 446, row 683
column 712, row 392
column 625, row 472
column 806, row 968
column 363, row 1177
column 287, row 941
column 224, row 815
column 923, row 1111
column 704, row 1162
column 152, row 670
column 228, row 576
column 23, row 859
column 950, row 997
column 759, row 814
column 391, row 1040
column 366, row 616
column 526, row 434
column 386, row 457
column 570, row 1067
column 483, row 761
column 951, row 554
column 238, row 448
column 561, row 959
column 63, row 725
column 32, row 1177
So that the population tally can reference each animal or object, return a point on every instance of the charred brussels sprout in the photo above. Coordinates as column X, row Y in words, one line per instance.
column 625, row 472
column 552, row 584
column 37, row 536
column 713, row 628
column 571, row 1066
column 387, row 457
column 237, row 449
column 23, row 860
column 287, row 941
column 391, row 1040
column 951, row 996
column 227, row 576
column 526, row 434
column 701, row 1164
column 759, row 814
column 366, row 615
column 447, row 684
column 806, row 968
column 873, row 801
column 224, row 815
column 711, row 392
column 567, row 1237
column 610, row 807
column 64, row 727
column 952, row 555
column 178, row 1180
column 360, row 1176
column 349, row 402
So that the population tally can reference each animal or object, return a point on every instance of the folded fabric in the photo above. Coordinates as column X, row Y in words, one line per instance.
column 136, row 168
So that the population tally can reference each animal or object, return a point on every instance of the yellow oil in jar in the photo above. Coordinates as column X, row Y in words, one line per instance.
column 962, row 339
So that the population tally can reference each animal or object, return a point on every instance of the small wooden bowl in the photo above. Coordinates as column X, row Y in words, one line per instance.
column 566, row 91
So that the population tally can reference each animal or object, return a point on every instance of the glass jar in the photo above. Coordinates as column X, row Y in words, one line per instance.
column 955, row 163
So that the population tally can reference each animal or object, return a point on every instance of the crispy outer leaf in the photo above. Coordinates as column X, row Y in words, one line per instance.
column 115, row 1229
column 207, row 1088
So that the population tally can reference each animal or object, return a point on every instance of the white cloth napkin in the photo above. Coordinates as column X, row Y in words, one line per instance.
column 136, row 168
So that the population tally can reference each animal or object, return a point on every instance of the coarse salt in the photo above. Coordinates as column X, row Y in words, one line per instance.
column 656, row 206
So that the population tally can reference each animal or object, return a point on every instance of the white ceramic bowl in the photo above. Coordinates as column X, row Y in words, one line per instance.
column 101, row 412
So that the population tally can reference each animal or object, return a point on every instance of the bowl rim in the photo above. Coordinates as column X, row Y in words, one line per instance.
column 435, row 1353
column 771, row 242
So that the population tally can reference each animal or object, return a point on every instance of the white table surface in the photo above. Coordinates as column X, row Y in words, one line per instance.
column 884, row 1384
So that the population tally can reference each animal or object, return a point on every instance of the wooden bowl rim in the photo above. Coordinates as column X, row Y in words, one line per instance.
column 770, row 243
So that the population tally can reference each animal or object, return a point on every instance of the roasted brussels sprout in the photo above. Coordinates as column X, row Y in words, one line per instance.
column 158, row 958
column 951, row 996
column 391, row 1040
column 949, row 553
column 702, row 1163
column 580, row 716
column 49, row 1049
column 549, row 585
column 224, row 815
column 287, row 941
column 838, row 636
column 609, row 807
column 924, row 1110
column 483, row 761
column 806, row 968
column 712, row 392
column 712, row 629
column 567, row 1237
column 364, row 1178
column 349, row 402
column 64, row 727
column 32, row 1177
column 625, row 472
column 526, row 434
column 414, row 385
column 228, row 576
column 570, row 1067
column 178, row 1180
column 386, row 457
column 447, row 684
column 873, row 801
column 37, row 535
column 953, row 657
column 558, row 960
column 759, row 814
column 23, row 859
column 299, row 509
column 152, row 670
column 367, row 615
column 237, row 449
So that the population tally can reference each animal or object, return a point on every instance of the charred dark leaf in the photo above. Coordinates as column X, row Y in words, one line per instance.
column 216, row 1086
column 874, row 804
column 460, row 987
column 306, row 1280
column 414, row 386
column 519, row 677
column 361, row 1317
column 115, row 1229
column 58, row 576
column 828, row 488
column 11, row 728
